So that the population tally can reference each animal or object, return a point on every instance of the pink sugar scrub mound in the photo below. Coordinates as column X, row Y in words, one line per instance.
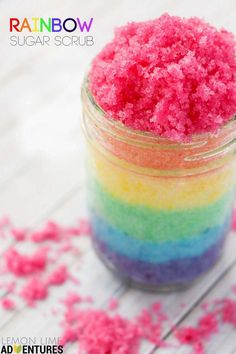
column 170, row 76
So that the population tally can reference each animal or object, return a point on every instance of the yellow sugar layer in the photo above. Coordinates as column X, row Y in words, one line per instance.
column 167, row 193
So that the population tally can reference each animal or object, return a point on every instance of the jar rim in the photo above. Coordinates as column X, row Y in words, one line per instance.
column 139, row 135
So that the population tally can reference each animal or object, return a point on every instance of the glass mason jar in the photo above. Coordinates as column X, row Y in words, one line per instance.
column 159, row 210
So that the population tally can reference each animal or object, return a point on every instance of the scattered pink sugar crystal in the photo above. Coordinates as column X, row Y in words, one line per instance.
column 188, row 335
column 99, row 333
column 149, row 328
column 72, row 299
column 156, row 307
column 196, row 336
column 205, row 306
column 69, row 336
column 58, row 276
column 234, row 220
column 157, row 311
column 96, row 331
column 8, row 304
column 35, row 263
column 113, row 304
column 22, row 265
column 228, row 311
column 89, row 299
column 83, row 228
column 70, row 317
column 10, row 287
column 4, row 222
column 234, row 289
column 208, row 325
column 74, row 279
column 65, row 248
column 51, row 232
column 18, row 234
column 170, row 76
column 34, row 290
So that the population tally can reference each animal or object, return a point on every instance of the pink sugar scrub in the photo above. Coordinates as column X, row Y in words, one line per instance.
column 170, row 76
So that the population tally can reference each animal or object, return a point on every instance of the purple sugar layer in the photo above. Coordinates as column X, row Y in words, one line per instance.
column 177, row 272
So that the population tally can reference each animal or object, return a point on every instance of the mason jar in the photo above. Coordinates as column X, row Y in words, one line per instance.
column 159, row 210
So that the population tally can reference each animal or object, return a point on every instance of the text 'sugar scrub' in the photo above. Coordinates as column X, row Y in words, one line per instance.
column 159, row 103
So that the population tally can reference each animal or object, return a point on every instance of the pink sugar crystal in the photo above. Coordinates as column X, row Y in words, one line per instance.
column 99, row 333
column 196, row 336
column 234, row 289
column 228, row 311
column 149, row 328
column 10, row 287
column 50, row 232
column 8, row 304
column 19, row 234
column 22, row 265
column 4, row 222
column 113, row 304
column 58, row 276
column 83, row 228
column 69, row 336
column 189, row 335
column 72, row 299
column 234, row 220
column 208, row 325
column 35, row 289
column 17, row 265
column 170, row 76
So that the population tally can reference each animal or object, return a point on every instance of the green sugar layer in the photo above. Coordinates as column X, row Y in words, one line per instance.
column 158, row 225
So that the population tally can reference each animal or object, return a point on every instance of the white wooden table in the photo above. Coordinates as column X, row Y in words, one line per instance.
column 41, row 157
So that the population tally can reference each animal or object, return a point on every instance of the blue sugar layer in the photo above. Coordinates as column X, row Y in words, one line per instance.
column 173, row 273
column 156, row 252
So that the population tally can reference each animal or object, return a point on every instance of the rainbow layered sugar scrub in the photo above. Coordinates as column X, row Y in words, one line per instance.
column 159, row 105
